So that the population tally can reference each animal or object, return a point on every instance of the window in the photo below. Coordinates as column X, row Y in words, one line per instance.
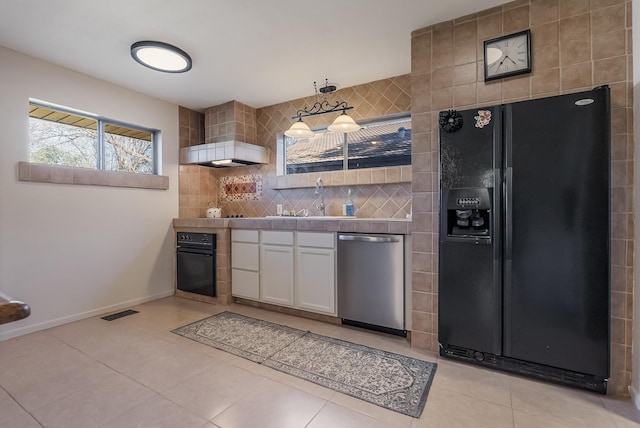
column 62, row 136
column 380, row 142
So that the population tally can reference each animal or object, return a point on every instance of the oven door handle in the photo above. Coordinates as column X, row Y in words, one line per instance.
column 206, row 253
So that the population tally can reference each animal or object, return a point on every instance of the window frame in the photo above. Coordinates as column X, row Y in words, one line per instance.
column 281, row 149
column 156, row 168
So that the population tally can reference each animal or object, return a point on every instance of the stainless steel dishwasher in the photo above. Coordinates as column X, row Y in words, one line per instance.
column 371, row 281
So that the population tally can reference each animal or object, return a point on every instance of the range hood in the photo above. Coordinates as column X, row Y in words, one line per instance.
column 224, row 154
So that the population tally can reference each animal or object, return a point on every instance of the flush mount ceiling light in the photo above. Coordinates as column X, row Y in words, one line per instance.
column 161, row 56
column 343, row 123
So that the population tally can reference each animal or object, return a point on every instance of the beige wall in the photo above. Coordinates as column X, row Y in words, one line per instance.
column 577, row 45
column 74, row 251
column 379, row 98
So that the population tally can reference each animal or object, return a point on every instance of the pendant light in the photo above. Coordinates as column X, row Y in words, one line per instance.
column 343, row 123
column 299, row 130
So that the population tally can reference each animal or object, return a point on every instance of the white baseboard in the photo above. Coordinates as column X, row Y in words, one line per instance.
column 82, row 315
column 635, row 396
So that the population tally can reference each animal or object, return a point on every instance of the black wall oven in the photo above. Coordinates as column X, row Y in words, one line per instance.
column 196, row 263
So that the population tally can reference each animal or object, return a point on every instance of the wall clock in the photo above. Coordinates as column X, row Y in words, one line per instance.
column 507, row 55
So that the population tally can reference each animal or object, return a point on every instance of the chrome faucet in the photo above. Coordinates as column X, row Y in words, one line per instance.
column 320, row 191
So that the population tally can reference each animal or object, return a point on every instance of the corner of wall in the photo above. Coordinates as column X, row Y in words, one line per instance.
column 634, row 389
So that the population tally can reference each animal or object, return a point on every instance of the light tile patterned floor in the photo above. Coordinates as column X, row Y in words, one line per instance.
column 133, row 372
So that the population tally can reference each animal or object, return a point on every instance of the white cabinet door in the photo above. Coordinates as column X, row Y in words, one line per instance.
column 276, row 274
column 245, row 284
column 245, row 264
column 316, row 280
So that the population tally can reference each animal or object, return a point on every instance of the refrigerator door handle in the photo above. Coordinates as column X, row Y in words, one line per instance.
column 508, row 260
column 508, row 211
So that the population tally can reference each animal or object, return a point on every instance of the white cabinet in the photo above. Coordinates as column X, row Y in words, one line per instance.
column 295, row 269
column 315, row 286
column 276, row 268
column 245, row 264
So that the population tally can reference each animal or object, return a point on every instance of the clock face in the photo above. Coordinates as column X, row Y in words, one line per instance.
column 507, row 56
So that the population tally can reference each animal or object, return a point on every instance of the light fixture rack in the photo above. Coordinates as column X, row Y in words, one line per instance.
column 323, row 107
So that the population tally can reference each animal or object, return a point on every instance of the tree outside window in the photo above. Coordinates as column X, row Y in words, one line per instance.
column 58, row 136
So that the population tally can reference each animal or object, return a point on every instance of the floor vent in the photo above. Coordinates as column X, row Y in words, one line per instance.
column 119, row 315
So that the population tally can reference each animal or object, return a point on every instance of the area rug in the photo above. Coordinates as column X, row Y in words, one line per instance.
column 389, row 380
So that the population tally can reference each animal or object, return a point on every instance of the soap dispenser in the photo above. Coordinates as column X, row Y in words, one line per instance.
column 348, row 208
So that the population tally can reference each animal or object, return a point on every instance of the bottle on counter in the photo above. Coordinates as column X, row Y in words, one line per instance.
column 348, row 209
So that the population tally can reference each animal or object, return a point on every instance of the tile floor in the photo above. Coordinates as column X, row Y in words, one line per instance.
column 133, row 372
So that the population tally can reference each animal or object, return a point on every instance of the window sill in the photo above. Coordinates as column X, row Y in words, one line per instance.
column 42, row 173
column 354, row 177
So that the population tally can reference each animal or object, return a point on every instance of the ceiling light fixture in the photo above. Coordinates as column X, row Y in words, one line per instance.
column 343, row 123
column 161, row 56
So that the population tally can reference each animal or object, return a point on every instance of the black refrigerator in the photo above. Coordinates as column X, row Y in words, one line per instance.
column 523, row 275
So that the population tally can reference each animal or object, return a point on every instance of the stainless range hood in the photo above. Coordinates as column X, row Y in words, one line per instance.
column 224, row 154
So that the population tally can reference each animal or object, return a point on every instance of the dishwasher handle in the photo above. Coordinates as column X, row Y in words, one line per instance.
column 368, row 238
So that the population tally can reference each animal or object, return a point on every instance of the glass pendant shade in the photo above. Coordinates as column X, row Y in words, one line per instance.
column 299, row 130
column 344, row 123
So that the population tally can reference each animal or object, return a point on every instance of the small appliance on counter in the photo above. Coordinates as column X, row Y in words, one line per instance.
column 213, row 212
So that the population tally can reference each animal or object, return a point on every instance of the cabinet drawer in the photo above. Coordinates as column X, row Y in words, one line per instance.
column 318, row 240
column 277, row 238
column 244, row 235
column 245, row 255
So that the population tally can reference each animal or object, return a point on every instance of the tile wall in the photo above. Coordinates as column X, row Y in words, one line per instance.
column 230, row 121
column 379, row 98
column 197, row 185
column 577, row 45
column 372, row 197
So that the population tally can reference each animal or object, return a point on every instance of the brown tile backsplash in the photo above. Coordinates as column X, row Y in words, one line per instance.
column 577, row 45
column 296, row 192
column 490, row 26
column 545, row 81
column 543, row 11
column 464, row 74
column 575, row 51
column 575, row 27
column 45, row 173
column 569, row 8
column 191, row 127
column 609, row 44
column 545, row 35
column 516, row 19
column 608, row 19
column 547, row 56
column 230, row 121
column 576, row 76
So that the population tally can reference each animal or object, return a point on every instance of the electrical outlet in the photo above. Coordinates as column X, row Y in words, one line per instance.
column 279, row 209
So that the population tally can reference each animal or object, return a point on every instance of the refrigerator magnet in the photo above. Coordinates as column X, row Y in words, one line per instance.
column 483, row 118
column 450, row 121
